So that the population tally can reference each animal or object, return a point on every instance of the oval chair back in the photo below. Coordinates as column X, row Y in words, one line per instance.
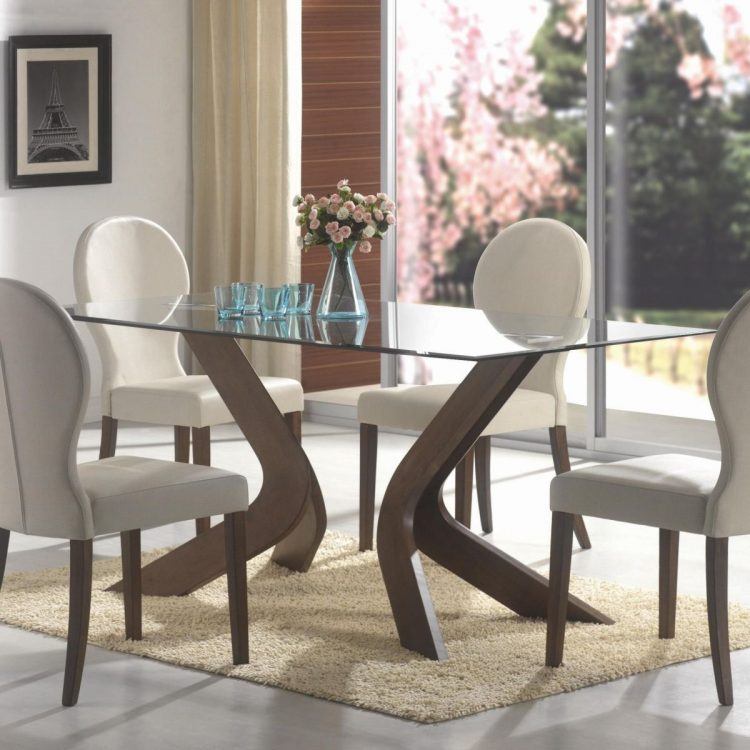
column 537, row 267
column 44, row 388
column 125, row 258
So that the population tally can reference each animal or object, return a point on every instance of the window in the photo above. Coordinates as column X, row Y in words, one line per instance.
column 492, row 125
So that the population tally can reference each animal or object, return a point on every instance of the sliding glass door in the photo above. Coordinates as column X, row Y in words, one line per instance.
column 492, row 120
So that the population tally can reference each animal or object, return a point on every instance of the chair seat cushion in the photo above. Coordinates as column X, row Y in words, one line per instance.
column 669, row 491
column 127, row 492
column 413, row 407
column 192, row 401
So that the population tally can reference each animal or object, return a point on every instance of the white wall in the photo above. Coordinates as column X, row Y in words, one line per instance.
column 151, row 114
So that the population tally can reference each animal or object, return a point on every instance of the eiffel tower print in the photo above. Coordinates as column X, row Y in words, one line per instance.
column 56, row 139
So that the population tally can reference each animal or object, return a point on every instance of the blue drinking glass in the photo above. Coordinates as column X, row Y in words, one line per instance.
column 275, row 301
column 230, row 300
column 253, row 297
column 300, row 298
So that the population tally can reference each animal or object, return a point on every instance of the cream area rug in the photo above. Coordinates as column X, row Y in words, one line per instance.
column 329, row 633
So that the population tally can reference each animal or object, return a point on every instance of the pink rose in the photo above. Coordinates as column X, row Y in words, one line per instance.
column 314, row 224
column 390, row 219
column 314, row 213
column 345, row 232
column 389, row 206
column 337, row 237
column 323, row 201
column 342, row 183
column 310, row 199
column 332, row 226
column 370, row 200
column 359, row 215
column 365, row 246
column 302, row 208
column 335, row 199
column 349, row 206
column 378, row 214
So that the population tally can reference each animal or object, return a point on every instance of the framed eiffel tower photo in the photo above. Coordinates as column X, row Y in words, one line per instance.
column 60, row 110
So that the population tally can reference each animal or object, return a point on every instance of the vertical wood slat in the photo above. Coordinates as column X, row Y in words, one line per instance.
column 340, row 138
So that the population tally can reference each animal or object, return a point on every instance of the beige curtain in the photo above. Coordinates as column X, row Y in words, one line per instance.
column 247, row 145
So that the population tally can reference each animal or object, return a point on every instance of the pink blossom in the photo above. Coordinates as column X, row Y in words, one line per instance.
column 314, row 224
column 370, row 200
column 390, row 219
column 345, row 232
column 349, row 206
column 323, row 202
column 332, row 226
column 378, row 214
column 337, row 237
column 365, row 246
column 335, row 198
column 310, row 199
column 358, row 215
column 342, row 183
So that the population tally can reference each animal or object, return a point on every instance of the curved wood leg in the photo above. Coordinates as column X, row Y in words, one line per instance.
column 108, row 444
column 202, row 457
column 717, row 558
column 669, row 545
column 482, row 456
column 558, row 439
column 368, row 462
column 294, row 422
column 289, row 511
column 81, row 559
column 413, row 517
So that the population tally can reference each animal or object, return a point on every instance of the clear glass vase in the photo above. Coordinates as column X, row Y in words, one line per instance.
column 342, row 296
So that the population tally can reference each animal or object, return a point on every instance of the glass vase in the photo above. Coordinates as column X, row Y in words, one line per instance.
column 342, row 296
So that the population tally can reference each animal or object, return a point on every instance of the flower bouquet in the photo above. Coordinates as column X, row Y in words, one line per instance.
column 344, row 221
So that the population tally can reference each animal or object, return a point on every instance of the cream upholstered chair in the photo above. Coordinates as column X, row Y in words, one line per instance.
column 673, row 493
column 537, row 266
column 126, row 257
column 44, row 387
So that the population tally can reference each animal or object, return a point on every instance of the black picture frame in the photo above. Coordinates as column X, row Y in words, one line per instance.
column 52, row 149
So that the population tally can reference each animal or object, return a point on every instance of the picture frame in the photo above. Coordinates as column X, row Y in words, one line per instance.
column 60, row 110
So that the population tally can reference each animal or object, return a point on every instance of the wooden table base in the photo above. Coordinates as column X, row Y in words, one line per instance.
column 289, row 511
column 414, row 518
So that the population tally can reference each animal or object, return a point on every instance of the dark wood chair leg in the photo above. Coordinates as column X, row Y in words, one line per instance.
column 108, row 444
column 202, row 457
column 561, row 550
column 464, row 488
column 669, row 545
column 368, row 463
column 130, row 542
column 558, row 438
column 482, row 453
column 234, row 536
column 182, row 444
column 4, row 539
column 717, row 558
column 294, row 422
column 81, row 556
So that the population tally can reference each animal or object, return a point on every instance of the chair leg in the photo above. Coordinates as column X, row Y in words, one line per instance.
column 81, row 556
column 4, row 539
column 482, row 453
column 558, row 438
column 464, row 488
column 368, row 462
column 234, row 536
column 108, row 444
column 294, row 422
column 130, row 542
column 182, row 444
column 718, row 616
column 669, row 544
column 202, row 457
column 561, row 550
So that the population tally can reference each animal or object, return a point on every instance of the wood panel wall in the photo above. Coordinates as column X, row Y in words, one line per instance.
column 340, row 138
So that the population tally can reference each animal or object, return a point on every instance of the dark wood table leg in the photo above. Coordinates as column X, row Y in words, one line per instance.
column 414, row 518
column 289, row 511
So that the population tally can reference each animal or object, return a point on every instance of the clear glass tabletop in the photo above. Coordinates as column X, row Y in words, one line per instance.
column 392, row 328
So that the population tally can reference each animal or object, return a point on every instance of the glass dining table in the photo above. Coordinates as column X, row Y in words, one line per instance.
column 289, row 513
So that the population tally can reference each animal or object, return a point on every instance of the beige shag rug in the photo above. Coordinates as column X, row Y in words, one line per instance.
column 329, row 633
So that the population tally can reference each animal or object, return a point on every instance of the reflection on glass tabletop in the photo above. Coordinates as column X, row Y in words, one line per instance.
column 392, row 328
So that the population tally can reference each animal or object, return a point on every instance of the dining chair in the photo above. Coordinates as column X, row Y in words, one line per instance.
column 44, row 388
column 143, row 380
column 536, row 266
column 673, row 493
